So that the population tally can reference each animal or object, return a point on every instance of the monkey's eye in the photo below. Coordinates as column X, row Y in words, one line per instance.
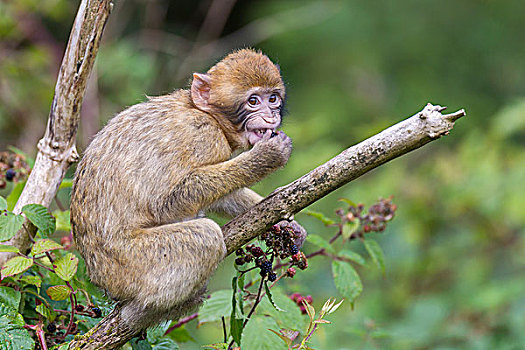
column 253, row 100
column 273, row 98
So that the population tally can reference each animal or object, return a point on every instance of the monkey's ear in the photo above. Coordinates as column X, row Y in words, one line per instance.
column 200, row 90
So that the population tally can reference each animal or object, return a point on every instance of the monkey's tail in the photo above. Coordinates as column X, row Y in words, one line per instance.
column 110, row 333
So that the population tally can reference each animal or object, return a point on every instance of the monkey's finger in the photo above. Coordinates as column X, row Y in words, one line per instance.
column 267, row 134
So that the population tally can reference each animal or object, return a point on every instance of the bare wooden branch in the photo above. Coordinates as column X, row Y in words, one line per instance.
column 56, row 151
column 412, row 133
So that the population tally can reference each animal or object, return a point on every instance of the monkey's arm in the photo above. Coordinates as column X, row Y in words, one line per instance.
column 236, row 202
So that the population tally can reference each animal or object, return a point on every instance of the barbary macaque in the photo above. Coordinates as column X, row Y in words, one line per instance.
column 146, row 178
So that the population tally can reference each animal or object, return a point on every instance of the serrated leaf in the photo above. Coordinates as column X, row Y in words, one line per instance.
column 320, row 242
column 10, row 297
column 216, row 346
column 320, row 217
column 8, row 249
column 62, row 220
column 66, row 266
column 41, row 218
column 290, row 317
column 140, row 344
column 349, row 228
column 256, row 334
column 43, row 310
column 3, row 203
column 14, row 337
column 16, row 265
column 166, row 344
column 156, row 333
column 181, row 335
column 218, row 305
column 346, row 280
column 376, row 253
column 34, row 280
column 58, row 293
column 351, row 255
column 10, row 315
column 270, row 298
column 9, row 225
column 44, row 245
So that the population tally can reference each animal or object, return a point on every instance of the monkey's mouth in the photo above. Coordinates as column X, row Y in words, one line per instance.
column 255, row 135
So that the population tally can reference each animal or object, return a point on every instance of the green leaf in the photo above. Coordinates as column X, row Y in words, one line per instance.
column 3, row 203
column 348, row 201
column 41, row 218
column 43, row 310
column 236, row 329
column 166, row 344
column 14, row 337
column 16, row 265
column 320, row 242
column 290, row 317
column 58, row 293
column 181, row 335
column 66, row 183
column 256, row 335
column 10, row 315
column 44, row 245
column 140, row 344
column 351, row 255
column 66, row 266
column 217, row 306
column 346, row 280
column 155, row 334
column 321, row 217
column 376, row 253
column 269, row 295
column 349, row 228
column 62, row 220
column 10, row 297
column 15, row 194
column 34, row 280
column 8, row 249
column 9, row 225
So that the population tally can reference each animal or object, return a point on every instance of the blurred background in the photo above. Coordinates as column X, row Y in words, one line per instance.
column 455, row 253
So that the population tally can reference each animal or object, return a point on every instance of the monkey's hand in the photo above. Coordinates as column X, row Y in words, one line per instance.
column 299, row 233
column 274, row 148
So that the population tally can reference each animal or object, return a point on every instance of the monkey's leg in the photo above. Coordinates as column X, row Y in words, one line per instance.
column 168, row 269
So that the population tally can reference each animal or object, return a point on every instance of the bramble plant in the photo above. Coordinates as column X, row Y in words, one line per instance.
column 46, row 297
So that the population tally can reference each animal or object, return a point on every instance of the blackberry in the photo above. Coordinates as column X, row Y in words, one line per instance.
column 239, row 252
column 79, row 308
column 97, row 312
column 257, row 251
column 293, row 249
column 239, row 261
column 266, row 266
column 51, row 328
column 272, row 276
column 10, row 174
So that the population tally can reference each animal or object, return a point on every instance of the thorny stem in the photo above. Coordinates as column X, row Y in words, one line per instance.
column 41, row 336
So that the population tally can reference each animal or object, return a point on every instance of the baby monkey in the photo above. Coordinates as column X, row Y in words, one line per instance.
column 146, row 178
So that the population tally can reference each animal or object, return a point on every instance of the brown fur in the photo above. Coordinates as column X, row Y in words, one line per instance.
column 149, row 173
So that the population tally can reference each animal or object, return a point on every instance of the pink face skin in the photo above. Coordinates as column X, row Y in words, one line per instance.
column 264, row 116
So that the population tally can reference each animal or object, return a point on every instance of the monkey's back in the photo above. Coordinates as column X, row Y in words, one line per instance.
column 128, row 172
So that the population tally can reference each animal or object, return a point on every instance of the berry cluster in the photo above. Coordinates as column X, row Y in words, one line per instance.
column 13, row 167
column 374, row 220
column 298, row 299
column 280, row 241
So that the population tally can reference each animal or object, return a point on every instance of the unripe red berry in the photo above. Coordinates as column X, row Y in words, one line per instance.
column 291, row 272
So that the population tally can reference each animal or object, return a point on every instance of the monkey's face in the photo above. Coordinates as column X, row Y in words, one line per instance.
column 260, row 114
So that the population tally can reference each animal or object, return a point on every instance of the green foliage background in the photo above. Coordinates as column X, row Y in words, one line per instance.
column 455, row 254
